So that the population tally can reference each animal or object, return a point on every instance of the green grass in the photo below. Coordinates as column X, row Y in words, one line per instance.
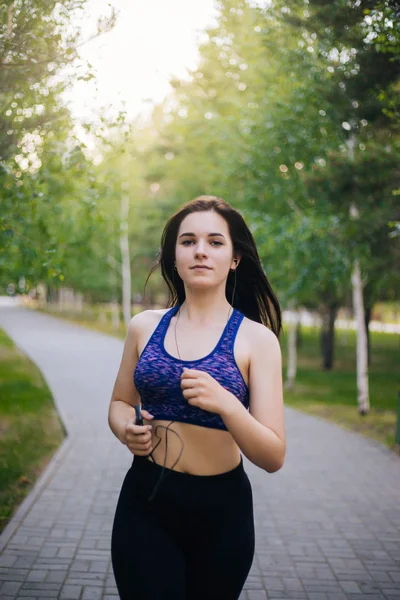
column 30, row 429
column 333, row 394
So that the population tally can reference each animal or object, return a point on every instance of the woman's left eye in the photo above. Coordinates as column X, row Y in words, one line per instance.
column 190, row 242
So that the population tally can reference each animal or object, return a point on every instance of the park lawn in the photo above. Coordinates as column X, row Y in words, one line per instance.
column 30, row 429
column 333, row 394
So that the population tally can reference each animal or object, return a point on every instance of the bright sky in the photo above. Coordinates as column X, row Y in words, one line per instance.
column 152, row 41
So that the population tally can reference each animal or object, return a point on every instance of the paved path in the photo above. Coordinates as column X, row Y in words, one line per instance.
column 327, row 524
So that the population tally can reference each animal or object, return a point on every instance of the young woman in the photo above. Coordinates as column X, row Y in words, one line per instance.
column 207, row 374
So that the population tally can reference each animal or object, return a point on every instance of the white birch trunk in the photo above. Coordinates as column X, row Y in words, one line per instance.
column 292, row 348
column 359, row 314
column 362, row 342
column 125, row 266
column 115, row 314
column 61, row 300
column 79, row 303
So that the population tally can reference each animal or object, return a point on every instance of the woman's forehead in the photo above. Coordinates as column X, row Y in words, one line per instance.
column 204, row 223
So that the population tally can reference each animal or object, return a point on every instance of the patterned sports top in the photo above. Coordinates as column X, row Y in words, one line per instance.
column 157, row 375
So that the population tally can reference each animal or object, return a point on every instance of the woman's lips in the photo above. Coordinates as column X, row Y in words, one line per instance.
column 201, row 267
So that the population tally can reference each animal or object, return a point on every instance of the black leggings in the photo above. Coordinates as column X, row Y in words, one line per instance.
column 193, row 541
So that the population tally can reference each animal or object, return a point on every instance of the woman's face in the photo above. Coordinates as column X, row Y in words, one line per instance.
column 204, row 251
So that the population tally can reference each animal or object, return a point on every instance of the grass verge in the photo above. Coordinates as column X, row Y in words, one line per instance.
column 30, row 428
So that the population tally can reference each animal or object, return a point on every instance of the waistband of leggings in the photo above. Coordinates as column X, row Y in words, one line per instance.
column 171, row 478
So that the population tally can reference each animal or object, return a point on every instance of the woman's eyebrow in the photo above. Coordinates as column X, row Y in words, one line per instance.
column 194, row 235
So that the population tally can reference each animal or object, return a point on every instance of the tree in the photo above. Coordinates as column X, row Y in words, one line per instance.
column 359, row 96
column 37, row 42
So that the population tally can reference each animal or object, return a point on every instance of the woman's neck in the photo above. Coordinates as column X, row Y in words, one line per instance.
column 205, row 308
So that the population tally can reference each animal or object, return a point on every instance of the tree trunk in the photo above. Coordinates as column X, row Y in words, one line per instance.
column 358, row 306
column 328, row 335
column 126, row 265
column 52, row 295
column 115, row 314
column 362, row 350
column 299, row 335
column 292, row 350
column 368, row 312
column 79, row 302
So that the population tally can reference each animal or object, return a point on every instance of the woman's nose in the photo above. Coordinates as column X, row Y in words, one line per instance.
column 200, row 250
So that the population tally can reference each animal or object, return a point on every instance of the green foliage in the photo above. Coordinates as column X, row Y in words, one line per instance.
column 42, row 166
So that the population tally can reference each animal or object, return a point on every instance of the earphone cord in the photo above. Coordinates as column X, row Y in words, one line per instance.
column 163, row 474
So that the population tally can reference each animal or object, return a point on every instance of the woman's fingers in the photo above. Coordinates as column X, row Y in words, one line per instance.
column 138, row 438
column 187, row 383
column 137, row 429
column 147, row 415
column 190, row 393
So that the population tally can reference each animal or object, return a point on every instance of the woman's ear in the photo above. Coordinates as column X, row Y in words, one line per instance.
column 236, row 261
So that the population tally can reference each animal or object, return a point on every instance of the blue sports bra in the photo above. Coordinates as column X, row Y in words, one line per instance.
column 157, row 375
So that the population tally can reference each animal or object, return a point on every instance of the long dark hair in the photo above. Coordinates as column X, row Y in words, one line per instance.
column 253, row 293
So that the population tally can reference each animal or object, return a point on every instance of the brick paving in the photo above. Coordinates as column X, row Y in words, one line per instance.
column 327, row 524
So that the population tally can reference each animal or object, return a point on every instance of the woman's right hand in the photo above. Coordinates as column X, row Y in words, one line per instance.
column 138, row 437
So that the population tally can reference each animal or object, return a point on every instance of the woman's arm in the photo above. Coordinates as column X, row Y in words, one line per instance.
column 125, row 396
column 260, row 433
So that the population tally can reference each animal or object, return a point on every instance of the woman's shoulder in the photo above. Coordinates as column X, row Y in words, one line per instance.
column 259, row 334
column 146, row 319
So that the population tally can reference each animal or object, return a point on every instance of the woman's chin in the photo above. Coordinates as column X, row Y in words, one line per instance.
column 201, row 284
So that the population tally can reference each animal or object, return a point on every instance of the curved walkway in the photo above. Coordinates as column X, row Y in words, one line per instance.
column 327, row 524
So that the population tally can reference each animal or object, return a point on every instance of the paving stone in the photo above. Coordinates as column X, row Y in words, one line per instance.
column 71, row 592
column 274, row 584
column 56, row 576
column 8, row 560
column 13, row 575
column 392, row 594
column 41, row 587
column 256, row 595
column 79, row 579
column 365, row 596
column 9, row 588
column 92, row 593
column 288, row 595
column 36, row 575
column 350, row 587
column 66, row 552
column 314, row 585
column 24, row 562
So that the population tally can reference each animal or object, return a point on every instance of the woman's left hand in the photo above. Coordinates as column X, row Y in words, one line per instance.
column 202, row 390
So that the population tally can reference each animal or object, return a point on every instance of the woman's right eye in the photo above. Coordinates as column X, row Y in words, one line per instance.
column 187, row 242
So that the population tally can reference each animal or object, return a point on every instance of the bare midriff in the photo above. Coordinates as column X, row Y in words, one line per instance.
column 205, row 451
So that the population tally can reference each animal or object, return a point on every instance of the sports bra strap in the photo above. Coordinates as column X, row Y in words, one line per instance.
column 226, row 342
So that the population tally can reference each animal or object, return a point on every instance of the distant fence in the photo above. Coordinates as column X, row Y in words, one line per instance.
column 314, row 320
